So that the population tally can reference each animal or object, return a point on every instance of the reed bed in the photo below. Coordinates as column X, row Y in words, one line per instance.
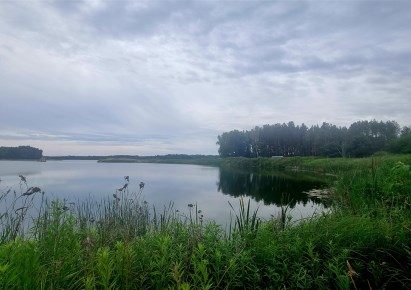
column 123, row 243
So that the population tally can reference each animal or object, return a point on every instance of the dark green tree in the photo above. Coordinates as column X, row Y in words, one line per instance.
column 362, row 138
column 402, row 144
column 21, row 152
column 234, row 144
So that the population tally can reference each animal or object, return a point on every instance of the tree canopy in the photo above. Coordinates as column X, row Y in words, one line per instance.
column 362, row 138
column 21, row 152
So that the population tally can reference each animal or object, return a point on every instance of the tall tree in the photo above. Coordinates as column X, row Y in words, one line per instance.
column 21, row 152
column 362, row 138
column 234, row 143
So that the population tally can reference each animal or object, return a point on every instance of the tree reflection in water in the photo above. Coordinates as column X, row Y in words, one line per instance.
column 280, row 189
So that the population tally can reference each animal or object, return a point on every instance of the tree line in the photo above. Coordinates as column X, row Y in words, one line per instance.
column 20, row 152
column 360, row 139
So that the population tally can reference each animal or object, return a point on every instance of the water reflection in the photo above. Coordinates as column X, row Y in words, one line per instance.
column 210, row 188
column 279, row 189
column 15, row 168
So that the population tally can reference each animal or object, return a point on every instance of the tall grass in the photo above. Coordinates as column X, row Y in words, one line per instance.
column 121, row 243
column 246, row 223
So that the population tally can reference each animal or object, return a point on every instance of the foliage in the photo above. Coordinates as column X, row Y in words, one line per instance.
column 21, row 152
column 246, row 223
column 402, row 144
column 362, row 138
column 234, row 144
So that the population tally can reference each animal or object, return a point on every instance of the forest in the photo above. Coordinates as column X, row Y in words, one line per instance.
column 360, row 139
column 20, row 153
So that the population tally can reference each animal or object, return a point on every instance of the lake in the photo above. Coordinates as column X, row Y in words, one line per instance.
column 211, row 188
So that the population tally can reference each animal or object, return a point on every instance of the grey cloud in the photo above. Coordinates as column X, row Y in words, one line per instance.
column 67, row 7
column 358, row 40
column 172, row 72
column 123, row 20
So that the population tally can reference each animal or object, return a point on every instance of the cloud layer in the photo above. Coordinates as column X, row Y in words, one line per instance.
column 158, row 77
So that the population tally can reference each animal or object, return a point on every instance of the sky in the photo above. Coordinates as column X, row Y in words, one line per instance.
column 167, row 77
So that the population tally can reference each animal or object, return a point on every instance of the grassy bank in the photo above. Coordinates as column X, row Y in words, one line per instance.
column 119, row 244
column 316, row 164
column 208, row 160
column 269, row 165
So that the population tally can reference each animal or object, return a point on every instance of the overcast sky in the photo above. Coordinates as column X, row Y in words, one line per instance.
column 158, row 77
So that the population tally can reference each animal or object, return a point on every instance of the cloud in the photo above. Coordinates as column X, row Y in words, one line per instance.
column 169, row 76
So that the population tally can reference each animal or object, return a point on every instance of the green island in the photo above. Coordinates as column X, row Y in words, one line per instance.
column 362, row 243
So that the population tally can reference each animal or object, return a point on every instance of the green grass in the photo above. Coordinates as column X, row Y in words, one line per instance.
column 184, row 159
column 316, row 164
column 364, row 243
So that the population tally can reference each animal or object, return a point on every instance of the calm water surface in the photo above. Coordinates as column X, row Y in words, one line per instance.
column 211, row 188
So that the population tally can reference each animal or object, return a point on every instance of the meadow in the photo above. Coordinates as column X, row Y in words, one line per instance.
column 122, row 243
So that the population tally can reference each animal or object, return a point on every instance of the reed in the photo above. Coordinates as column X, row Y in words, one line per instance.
column 246, row 223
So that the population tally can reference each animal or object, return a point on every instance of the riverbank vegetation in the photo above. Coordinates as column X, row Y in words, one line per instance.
column 210, row 160
column 334, row 166
column 363, row 243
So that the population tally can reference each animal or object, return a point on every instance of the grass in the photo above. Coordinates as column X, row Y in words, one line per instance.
column 207, row 160
column 364, row 243
column 335, row 166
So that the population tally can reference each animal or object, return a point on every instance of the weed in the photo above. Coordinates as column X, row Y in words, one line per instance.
column 246, row 223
